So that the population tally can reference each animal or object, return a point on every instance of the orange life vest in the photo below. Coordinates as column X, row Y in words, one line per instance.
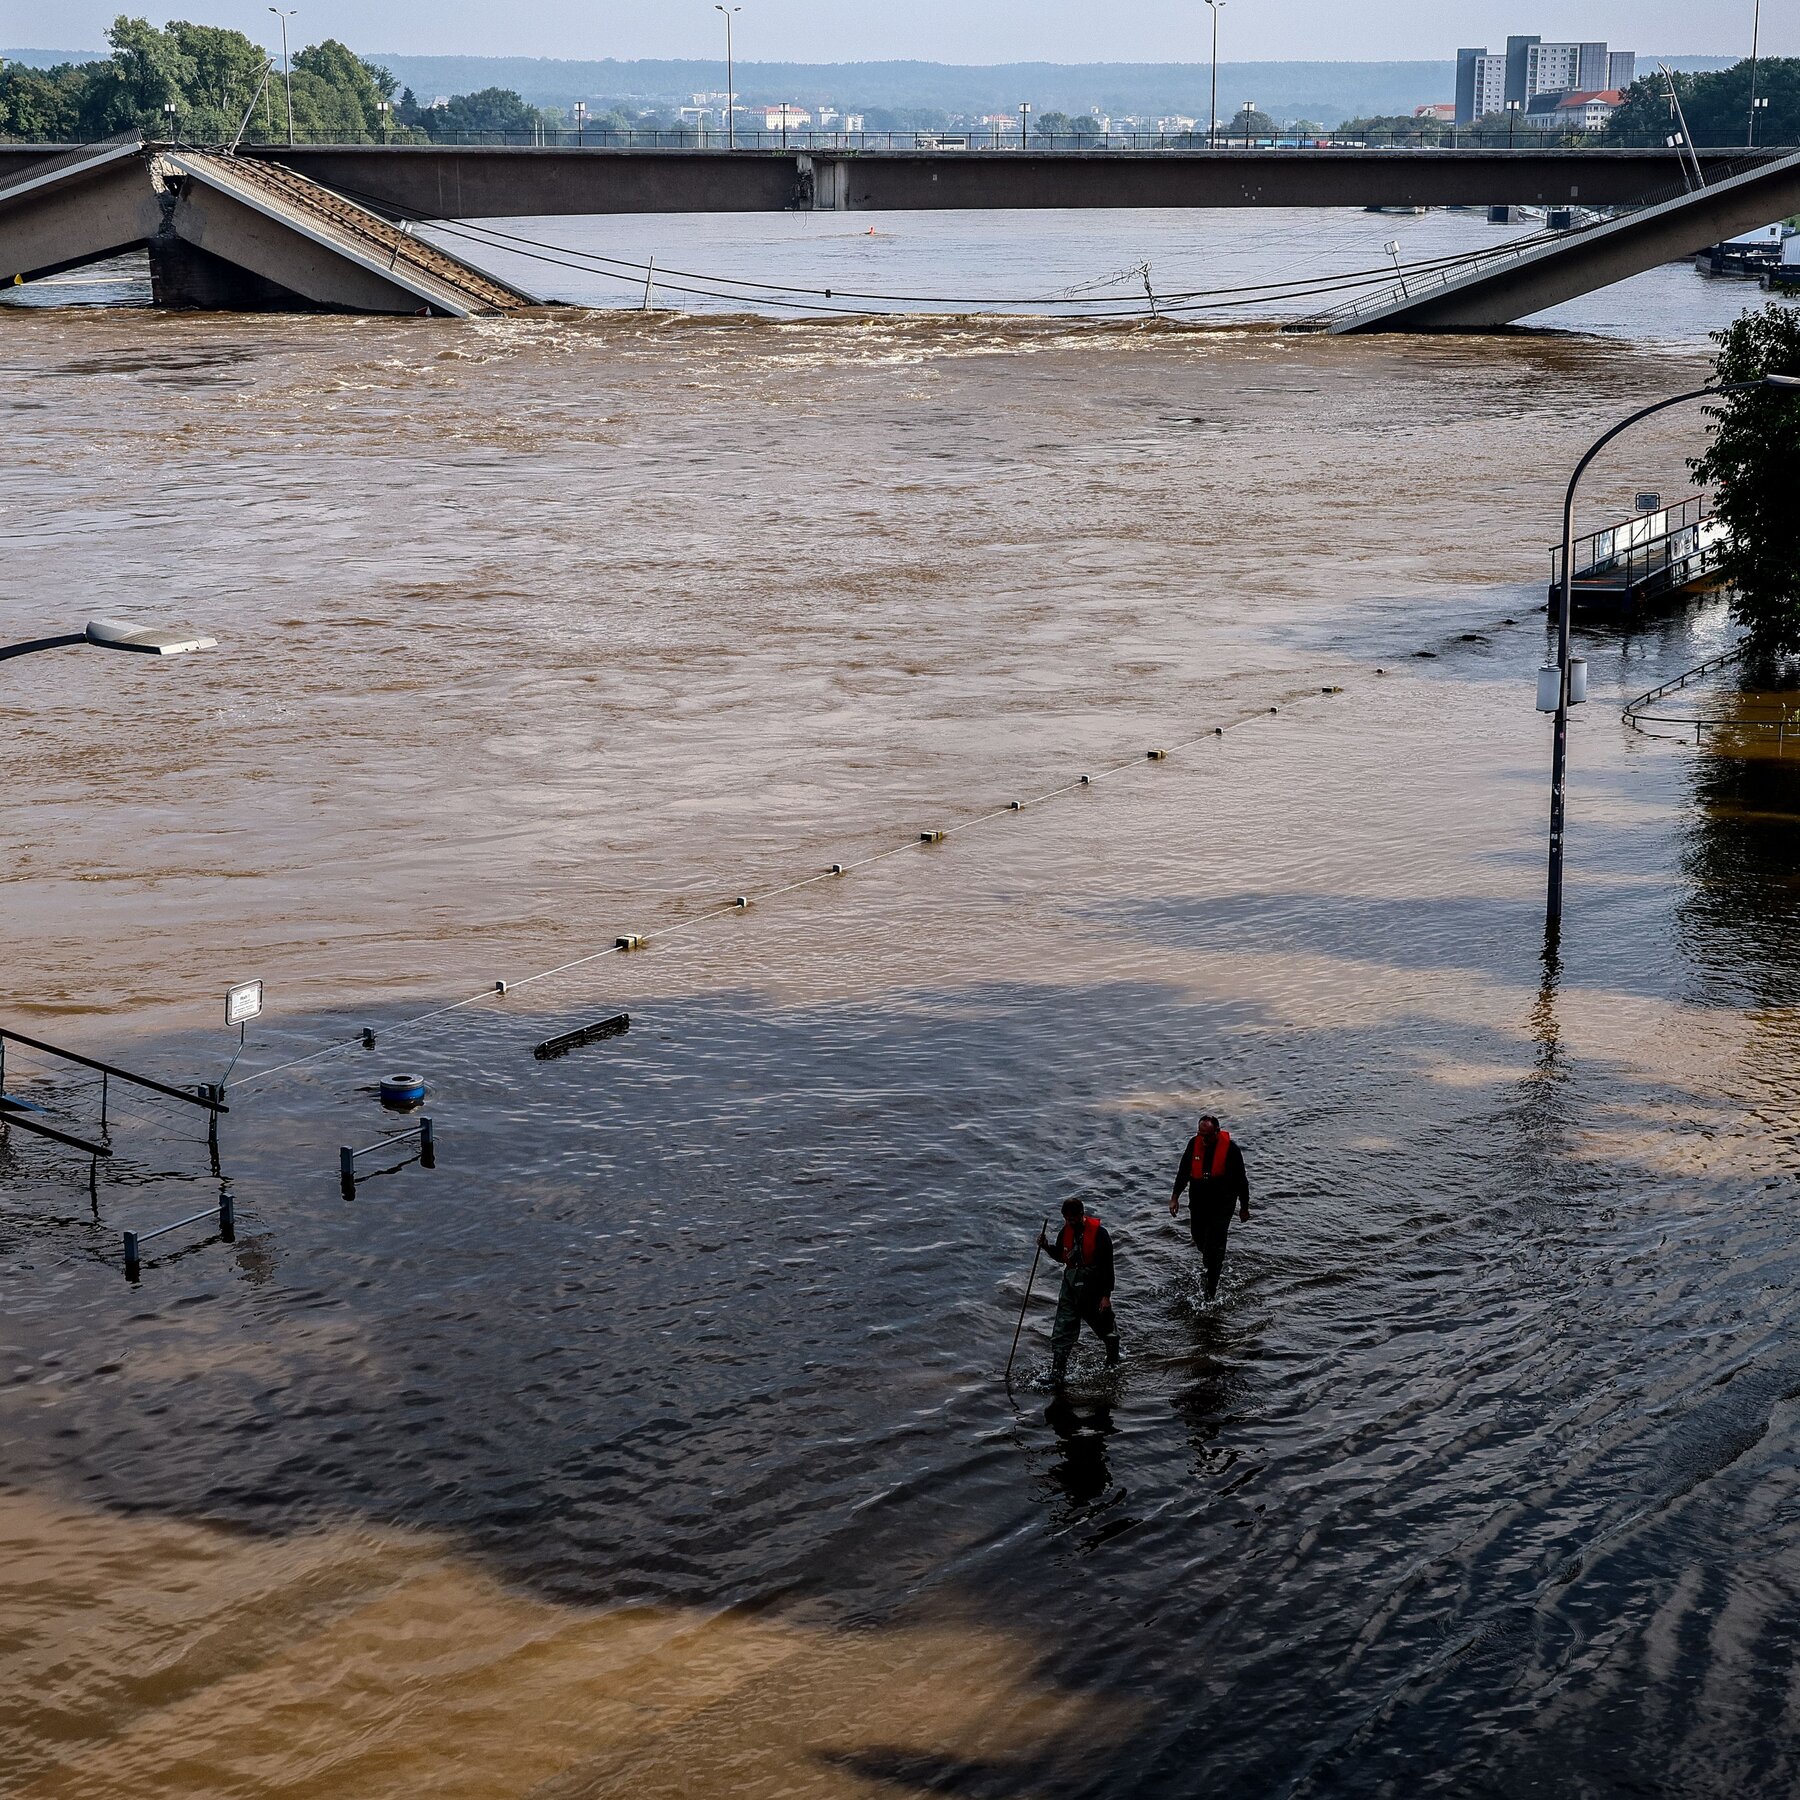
column 1221, row 1149
column 1090, row 1240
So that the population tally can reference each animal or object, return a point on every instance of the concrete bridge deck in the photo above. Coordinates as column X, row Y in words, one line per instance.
column 1508, row 286
column 436, row 181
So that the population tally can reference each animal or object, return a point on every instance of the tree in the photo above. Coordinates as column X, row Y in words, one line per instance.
column 1750, row 463
column 1401, row 128
column 491, row 113
column 1251, row 124
column 43, row 106
column 1716, row 106
column 196, row 82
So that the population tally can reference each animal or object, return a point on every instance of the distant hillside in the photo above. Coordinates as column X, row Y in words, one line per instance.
column 48, row 59
column 1326, row 91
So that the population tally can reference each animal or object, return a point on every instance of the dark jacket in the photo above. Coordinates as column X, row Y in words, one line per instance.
column 1230, row 1189
column 1100, row 1271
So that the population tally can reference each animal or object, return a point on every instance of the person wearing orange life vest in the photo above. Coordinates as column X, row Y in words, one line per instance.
column 1084, row 1249
column 1212, row 1170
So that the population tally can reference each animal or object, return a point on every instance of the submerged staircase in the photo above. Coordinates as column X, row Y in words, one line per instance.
column 232, row 233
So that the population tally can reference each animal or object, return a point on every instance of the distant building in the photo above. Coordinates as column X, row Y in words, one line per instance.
column 1532, row 72
column 1175, row 123
column 1444, row 112
column 1480, row 85
column 1573, row 112
column 786, row 118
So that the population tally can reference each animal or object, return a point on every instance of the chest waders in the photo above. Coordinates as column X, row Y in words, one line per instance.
column 1076, row 1303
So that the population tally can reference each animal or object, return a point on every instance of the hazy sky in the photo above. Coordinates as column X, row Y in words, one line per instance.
column 976, row 31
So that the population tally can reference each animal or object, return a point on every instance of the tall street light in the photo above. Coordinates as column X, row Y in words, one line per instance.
column 730, row 91
column 1024, row 114
column 1212, row 129
column 1559, row 759
column 116, row 634
column 287, row 68
column 1755, row 45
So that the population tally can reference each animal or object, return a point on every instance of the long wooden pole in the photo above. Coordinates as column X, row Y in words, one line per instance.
column 1032, row 1277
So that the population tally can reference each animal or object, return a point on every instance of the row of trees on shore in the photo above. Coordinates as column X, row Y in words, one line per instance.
column 197, row 82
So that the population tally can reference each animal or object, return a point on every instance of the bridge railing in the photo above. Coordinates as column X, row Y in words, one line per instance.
column 1009, row 138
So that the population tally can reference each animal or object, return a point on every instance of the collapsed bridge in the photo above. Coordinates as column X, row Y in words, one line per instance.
column 331, row 226
column 230, row 233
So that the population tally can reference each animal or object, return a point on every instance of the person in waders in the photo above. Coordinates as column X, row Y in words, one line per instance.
column 1085, row 1251
column 1212, row 1171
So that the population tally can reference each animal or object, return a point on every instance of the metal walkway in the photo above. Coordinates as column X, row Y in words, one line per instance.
column 1498, row 289
column 1673, row 550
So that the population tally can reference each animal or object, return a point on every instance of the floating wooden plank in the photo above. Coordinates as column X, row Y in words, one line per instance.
column 586, row 1034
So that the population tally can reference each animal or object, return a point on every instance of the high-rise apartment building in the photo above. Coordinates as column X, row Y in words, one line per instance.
column 1531, row 68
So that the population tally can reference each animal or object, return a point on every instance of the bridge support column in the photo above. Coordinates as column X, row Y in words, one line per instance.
column 824, row 183
column 184, row 276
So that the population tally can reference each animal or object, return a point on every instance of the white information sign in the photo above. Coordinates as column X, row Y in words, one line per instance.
column 243, row 1002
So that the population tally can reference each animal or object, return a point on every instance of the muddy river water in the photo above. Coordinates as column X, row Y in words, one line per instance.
column 655, row 1441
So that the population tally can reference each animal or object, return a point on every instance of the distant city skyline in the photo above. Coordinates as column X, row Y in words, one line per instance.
column 943, row 30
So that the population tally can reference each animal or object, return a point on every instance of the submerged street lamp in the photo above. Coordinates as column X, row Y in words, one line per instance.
column 117, row 634
column 1564, row 683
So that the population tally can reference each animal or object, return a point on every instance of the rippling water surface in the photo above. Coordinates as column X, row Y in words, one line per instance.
column 654, row 1442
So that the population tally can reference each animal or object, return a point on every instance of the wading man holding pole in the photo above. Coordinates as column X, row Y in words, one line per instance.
column 1084, row 1249
column 1212, row 1170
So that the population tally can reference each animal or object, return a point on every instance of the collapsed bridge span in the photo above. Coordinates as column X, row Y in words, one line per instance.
column 228, row 232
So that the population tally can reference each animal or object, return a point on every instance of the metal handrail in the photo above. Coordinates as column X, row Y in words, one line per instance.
column 1007, row 137
column 1694, row 510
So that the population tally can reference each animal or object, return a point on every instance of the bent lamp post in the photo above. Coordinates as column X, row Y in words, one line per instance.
column 117, row 634
column 1564, row 674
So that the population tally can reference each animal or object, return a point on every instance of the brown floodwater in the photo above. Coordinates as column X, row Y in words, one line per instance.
column 655, row 1441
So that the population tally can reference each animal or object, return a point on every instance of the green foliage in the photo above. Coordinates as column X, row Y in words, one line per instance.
column 43, row 106
column 1059, row 125
column 1751, row 463
column 1717, row 106
column 209, row 76
column 1398, row 128
column 469, row 118
column 1249, row 122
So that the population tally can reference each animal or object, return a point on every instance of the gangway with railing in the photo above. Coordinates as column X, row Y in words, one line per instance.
column 1666, row 550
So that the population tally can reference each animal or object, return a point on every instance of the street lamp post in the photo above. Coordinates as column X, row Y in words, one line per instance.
column 287, row 68
column 1212, row 129
column 730, row 78
column 1512, row 121
column 1755, row 45
column 116, row 634
column 1559, row 757
column 1024, row 110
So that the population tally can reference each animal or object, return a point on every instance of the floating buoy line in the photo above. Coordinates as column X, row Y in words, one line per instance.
column 628, row 942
